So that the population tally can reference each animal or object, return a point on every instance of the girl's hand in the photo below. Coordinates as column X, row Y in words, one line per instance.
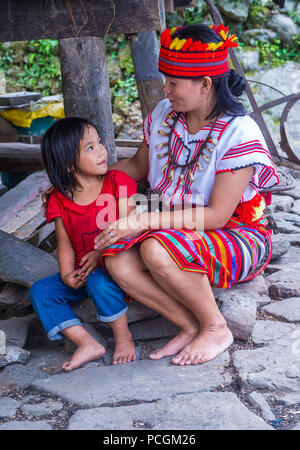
column 124, row 228
column 89, row 263
column 73, row 280
column 45, row 198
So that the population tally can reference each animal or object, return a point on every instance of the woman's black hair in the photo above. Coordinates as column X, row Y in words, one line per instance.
column 229, row 86
column 60, row 149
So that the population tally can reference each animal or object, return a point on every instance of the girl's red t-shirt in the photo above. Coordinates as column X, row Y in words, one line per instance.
column 84, row 222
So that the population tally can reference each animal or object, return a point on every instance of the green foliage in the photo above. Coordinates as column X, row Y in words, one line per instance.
column 277, row 53
column 126, row 86
column 36, row 71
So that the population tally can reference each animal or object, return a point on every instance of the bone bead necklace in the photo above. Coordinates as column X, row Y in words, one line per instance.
column 188, row 165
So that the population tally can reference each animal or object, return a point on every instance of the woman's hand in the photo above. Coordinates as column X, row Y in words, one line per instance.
column 89, row 263
column 73, row 280
column 45, row 198
column 124, row 228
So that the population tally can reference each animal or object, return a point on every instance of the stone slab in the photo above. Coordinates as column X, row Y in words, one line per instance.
column 96, row 385
column 14, row 355
column 8, row 407
column 284, row 283
column 41, row 409
column 288, row 309
column 201, row 411
column 16, row 330
column 23, row 263
column 26, row 425
column 275, row 367
column 272, row 332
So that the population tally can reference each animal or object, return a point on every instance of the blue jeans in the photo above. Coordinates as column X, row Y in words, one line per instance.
column 52, row 300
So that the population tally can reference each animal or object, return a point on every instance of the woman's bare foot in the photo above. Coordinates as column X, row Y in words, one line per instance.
column 87, row 352
column 176, row 344
column 124, row 351
column 209, row 343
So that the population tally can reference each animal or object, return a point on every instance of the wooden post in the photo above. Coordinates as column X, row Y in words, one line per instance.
column 149, row 80
column 86, row 85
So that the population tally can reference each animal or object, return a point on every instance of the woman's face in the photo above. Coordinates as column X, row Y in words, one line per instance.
column 185, row 95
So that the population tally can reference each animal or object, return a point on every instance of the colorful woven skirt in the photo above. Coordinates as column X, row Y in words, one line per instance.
column 227, row 256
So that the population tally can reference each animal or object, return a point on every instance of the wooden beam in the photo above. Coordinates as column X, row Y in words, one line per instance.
column 19, row 157
column 56, row 19
column 86, row 85
column 149, row 80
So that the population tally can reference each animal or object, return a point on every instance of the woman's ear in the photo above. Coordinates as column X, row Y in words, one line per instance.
column 206, row 84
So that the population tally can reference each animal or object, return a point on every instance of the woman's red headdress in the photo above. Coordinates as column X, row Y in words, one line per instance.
column 185, row 58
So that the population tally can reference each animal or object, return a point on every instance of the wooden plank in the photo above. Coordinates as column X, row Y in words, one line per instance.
column 14, row 200
column 56, row 19
column 19, row 157
column 87, row 91
column 149, row 80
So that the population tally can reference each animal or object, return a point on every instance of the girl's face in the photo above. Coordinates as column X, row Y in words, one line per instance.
column 184, row 94
column 92, row 156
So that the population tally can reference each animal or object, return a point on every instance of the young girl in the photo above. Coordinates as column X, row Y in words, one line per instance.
column 85, row 199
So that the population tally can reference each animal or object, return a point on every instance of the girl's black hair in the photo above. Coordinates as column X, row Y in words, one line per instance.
column 60, row 149
column 229, row 86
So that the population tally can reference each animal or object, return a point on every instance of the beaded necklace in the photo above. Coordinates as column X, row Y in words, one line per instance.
column 204, row 145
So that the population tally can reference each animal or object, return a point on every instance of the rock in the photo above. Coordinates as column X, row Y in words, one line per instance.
column 258, row 401
column 14, row 355
column 285, row 282
column 42, row 362
column 257, row 285
column 284, row 26
column 280, row 246
column 144, row 380
column 235, row 10
column 41, row 409
column 249, row 58
column 219, row 411
column 283, row 203
column 153, row 329
column 121, row 105
column 3, row 189
column 269, row 332
column 296, row 207
column 274, row 367
column 287, row 222
column 26, row 425
column 36, row 263
column 239, row 311
column 290, row 399
column 258, row 34
column 16, row 330
column 2, row 343
column 8, row 407
column 14, row 297
column 138, row 311
column 286, row 309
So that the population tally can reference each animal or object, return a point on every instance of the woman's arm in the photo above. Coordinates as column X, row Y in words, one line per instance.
column 136, row 167
column 224, row 198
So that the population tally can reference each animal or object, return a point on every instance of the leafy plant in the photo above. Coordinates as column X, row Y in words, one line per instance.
column 277, row 53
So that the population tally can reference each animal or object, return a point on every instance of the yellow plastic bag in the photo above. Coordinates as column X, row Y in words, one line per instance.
column 47, row 106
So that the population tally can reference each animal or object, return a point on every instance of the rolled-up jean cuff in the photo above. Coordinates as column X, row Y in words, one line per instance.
column 54, row 333
column 114, row 317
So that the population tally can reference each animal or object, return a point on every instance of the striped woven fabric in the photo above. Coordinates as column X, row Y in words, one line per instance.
column 228, row 255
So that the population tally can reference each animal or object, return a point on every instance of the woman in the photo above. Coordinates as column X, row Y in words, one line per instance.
column 203, row 153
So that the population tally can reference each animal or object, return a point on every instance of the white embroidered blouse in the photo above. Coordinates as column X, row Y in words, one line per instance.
column 236, row 144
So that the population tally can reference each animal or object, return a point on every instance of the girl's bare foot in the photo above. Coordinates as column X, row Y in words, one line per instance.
column 209, row 343
column 84, row 353
column 176, row 344
column 124, row 351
